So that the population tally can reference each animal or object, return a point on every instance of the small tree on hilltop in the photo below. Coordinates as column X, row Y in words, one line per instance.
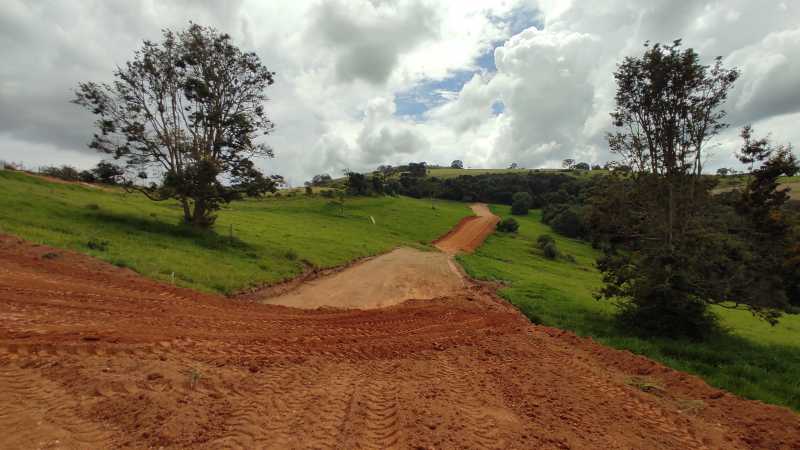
column 457, row 164
column 568, row 163
column 189, row 107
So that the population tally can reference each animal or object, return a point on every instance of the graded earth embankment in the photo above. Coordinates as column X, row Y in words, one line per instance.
column 95, row 356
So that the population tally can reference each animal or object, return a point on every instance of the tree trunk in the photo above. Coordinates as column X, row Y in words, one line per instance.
column 200, row 215
column 187, row 212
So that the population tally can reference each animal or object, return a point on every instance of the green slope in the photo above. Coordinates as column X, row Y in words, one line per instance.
column 272, row 238
column 754, row 360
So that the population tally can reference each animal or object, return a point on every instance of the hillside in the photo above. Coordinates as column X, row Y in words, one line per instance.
column 254, row 241
column 755, row 360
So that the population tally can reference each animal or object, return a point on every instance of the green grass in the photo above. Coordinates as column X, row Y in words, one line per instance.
column 272, row 239
column 754, row 359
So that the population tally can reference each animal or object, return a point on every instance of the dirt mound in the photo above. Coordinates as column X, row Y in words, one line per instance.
column 94, row 356
column 470, row 233
column 378, row 282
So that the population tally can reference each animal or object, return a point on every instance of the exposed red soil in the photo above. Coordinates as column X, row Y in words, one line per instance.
column 470, row 233
column 94, row 356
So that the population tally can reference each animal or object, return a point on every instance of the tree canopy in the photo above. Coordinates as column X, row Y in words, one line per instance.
column 189, row 110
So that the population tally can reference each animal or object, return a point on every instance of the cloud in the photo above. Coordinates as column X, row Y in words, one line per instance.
column 365, row 82
column 368, row 37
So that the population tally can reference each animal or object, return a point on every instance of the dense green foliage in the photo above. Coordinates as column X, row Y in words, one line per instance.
column 672, row 247
column 189, row 110
column 754, row 359
column 520, row 203
column 508, row 225
column 256, row 241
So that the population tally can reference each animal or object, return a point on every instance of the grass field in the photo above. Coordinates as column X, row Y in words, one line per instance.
column 753, row 360
column 272, row 239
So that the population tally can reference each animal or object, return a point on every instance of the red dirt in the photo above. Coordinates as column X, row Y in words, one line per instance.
column 94, row 356
column 470, row 233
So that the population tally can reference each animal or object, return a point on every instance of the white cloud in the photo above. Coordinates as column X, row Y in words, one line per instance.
column 341, row 65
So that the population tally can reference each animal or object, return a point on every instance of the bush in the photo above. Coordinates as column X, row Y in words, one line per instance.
column 87, row 176
column 67, row 173
column 97, row 244
column 520, row 203
column 544, row 239
column 550, row 251
column 309, row 191
column 508, row 225
column 548, row 246
column 565, row 219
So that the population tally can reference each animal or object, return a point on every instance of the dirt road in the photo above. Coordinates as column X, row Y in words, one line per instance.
column 378, row 282
column 470, row 233
column 94, row 356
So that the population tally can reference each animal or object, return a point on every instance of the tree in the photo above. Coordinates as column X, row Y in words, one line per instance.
column 513, row 166
column 774, row 246
column 520, row 203
column 668, row 105
column 418, row 169
column 189, row 109
column 357, row 183
column 108, row 173
column 596, row 167
column 568, row 163
column 723, row 172
column 582, row 166
column 457, row 164
column 321, row 180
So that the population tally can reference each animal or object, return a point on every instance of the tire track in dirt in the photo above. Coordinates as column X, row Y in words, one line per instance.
column 104, row 358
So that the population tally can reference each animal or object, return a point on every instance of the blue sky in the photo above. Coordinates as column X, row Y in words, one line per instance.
column 414, row 102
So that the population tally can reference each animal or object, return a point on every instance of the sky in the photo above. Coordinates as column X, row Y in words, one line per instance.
column 362, row 83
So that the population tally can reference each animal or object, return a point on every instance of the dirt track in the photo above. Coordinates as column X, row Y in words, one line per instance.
column 470, row 233
column 94, row 356
column 394, row 277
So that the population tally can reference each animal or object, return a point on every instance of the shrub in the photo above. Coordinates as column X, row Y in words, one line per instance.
column 67, row 173
column 544, row 239
column 309, row 191
column 97, row 244
column 520, row 202
column 550, row 251
column 508, row 225
column 87, row 176
column 565, row 219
